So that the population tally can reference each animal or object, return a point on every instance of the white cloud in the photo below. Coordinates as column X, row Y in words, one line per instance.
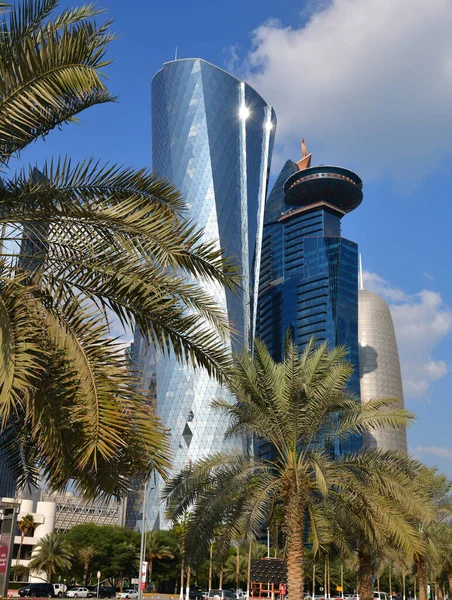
column 433, row 450
column 428, row 276
column 368, row 82
column 421, row 322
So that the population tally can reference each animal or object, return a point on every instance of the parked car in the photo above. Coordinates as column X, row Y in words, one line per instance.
column 79, row 592
column 37, row 590
column 131, row 594
column 196, row 593
column 59, row 589
column 223, row 594
column 106, row 591
column 380, row 596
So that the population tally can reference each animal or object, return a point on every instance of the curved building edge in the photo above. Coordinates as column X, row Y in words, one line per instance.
column 380, row 374
column 203, row 60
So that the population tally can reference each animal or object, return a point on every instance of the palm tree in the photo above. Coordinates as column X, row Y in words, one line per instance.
column 303, row 408
column 81, row 244
column 444, row 550
column 379, row 523
column 26, row 525
column 438, row 489
column 52, row 553
column 236, row 570
column 85, row 556
column 155, row 549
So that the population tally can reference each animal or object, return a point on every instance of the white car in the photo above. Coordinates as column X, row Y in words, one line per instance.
column 59, row 589
column 130, row 594
column 79, row 592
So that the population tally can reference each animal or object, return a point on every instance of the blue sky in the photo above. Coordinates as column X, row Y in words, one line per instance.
column 368, row 83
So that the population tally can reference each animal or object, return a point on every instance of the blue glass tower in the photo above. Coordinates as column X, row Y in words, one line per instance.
column 212, row 137
column 309, row 272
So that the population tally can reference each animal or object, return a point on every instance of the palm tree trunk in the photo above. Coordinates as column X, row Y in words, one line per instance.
column 295, row 555
column 421, row 568
column 365, row 590
column 19, row 551
column 390, row 581
column 187, row 585
column 313, row 576
column 439, row 591
column 404, row 586
column 342, row 580
column 210, row 566
column 237, row 568
column 221, row 579
column 328, row 575
column 181, row 592
column 248, row 579
column 85, row 573
column 150, row 571
column 449, row 581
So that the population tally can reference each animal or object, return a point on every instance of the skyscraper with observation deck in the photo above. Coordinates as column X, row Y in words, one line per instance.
column 212, row 137
column 309, row 272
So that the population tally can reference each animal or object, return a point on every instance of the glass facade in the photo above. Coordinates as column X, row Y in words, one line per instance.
column 308, row 279
column 8, row 483
column 212, row 137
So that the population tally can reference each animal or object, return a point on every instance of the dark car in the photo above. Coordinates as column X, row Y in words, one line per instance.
column 37, row 590
column 195, row 594
column 106, row 591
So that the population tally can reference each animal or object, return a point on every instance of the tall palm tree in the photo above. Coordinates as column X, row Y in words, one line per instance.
column 85, row 554
column 156, row 550
column 26, row 524
column 52, row 553
column 444, row 551
column 236, row 570
column 438, row 488
column 379, row 522
column 303, row 407
column 82, row 244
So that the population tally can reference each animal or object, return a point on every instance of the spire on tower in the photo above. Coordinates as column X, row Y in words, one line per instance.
column 305, row 161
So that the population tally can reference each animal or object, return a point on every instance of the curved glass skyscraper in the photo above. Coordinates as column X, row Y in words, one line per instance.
column 212, row 137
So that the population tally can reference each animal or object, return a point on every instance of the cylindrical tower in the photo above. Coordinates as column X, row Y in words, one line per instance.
column 212, row 137
column 379, row 364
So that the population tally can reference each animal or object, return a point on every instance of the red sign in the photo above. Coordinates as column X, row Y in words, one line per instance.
column 283, row 589
column 3, row 558
column 144, row 572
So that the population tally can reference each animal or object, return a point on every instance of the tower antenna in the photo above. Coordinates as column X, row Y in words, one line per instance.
column 175, row 54
column 360, row 275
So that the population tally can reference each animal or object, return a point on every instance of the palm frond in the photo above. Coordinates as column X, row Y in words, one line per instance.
column 49, row 75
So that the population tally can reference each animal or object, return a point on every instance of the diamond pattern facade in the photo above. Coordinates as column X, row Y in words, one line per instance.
column 212, row 137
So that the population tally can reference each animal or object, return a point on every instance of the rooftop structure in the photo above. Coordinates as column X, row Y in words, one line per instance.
column 72, row 510
column 309, row 272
